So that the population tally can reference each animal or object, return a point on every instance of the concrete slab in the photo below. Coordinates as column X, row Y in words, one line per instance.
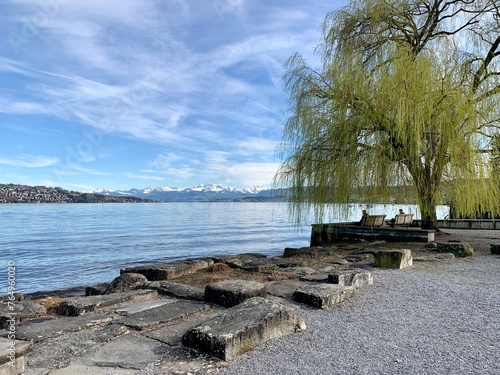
column 82, row 305
column 163, row 314
column 37, row 331
column 284, row 288
column 323, row 296
column 169, row 288
column 141, row 306
column 128, row 352
column 171, row 333
column 244, row 327
column 57, row 352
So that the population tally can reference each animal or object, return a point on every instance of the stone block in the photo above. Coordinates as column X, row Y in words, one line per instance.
column 168, row 271
column 459, row 249
column 323, row 296
column 125, row 282
column 171, row 289
column 96, row 290
column 495, row 249
column 82, row 305
column 229, row 293
column 21, row 312
column 243, row 328
column 355, row 278
column 393, row 259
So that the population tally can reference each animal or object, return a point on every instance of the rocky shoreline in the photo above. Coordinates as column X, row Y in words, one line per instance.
column 154, row 319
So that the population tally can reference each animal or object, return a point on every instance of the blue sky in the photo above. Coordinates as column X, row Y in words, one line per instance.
column 136, row 93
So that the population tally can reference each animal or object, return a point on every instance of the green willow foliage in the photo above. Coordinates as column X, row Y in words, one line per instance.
column 396, row 104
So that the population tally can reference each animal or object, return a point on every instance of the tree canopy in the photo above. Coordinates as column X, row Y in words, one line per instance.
column 407, row 96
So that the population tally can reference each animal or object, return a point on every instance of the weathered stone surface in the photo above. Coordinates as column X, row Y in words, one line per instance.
column 39, row 331
column 141, row 306
column 12, row 356
column 162, row 314
column 459, row 249
column 82, row 305
column 495, row 249
column 168, row 271
column 58, row 352
column 129, row 352
column 355, row 278
column 310, row 251
column 323, row 296
column 20, row 311
column 397, row 259
column 169, row 288
column 244, row 327
column 229, row 293
column 125, row 282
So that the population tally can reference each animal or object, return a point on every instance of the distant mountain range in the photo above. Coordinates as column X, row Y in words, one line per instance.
column 201, row 193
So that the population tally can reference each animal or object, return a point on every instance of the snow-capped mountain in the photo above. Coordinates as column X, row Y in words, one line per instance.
column 200, row 193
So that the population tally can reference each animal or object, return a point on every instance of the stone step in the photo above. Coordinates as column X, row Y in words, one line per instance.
column 323, row 296
column 243, row 327
column 43, row 330
column 163, row 314
column 82, row 305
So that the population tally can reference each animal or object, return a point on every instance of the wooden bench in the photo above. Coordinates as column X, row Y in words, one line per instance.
column 402, row 220
column 372, row 221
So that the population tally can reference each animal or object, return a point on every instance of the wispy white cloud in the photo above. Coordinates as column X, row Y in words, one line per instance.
column 29, row 161
column 143, row 176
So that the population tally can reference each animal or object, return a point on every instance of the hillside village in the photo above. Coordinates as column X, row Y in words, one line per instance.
column 12, row 193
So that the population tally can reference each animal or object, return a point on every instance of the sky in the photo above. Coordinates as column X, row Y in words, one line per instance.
column 124, row 94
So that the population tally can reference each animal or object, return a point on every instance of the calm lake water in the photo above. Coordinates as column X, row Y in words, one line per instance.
column 58, row 246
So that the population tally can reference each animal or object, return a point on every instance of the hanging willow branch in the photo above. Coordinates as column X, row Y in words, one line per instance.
column 397, row 102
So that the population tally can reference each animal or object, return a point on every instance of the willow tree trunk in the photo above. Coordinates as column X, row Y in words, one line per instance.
column 427, row 204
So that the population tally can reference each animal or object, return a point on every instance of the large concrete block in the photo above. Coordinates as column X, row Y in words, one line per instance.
column 168, row 271
column 229, row 293
column 460, row 249
column 323, row 296
column 394, row 259
column 355, row 278
column 243, row 327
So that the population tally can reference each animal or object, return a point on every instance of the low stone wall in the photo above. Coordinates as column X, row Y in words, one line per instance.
column 331, row 233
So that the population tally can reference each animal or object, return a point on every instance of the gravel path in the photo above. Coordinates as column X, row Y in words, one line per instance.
column 432, row 318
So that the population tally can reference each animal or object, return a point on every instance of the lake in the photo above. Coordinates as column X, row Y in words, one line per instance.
column 58, row 246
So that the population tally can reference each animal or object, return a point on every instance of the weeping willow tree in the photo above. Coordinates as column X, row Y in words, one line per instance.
column 407, row 96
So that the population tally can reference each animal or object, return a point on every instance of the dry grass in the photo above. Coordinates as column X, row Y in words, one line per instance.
column 50, row 303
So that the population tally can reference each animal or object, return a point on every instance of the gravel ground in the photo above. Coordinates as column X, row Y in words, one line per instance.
column 433, row 318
